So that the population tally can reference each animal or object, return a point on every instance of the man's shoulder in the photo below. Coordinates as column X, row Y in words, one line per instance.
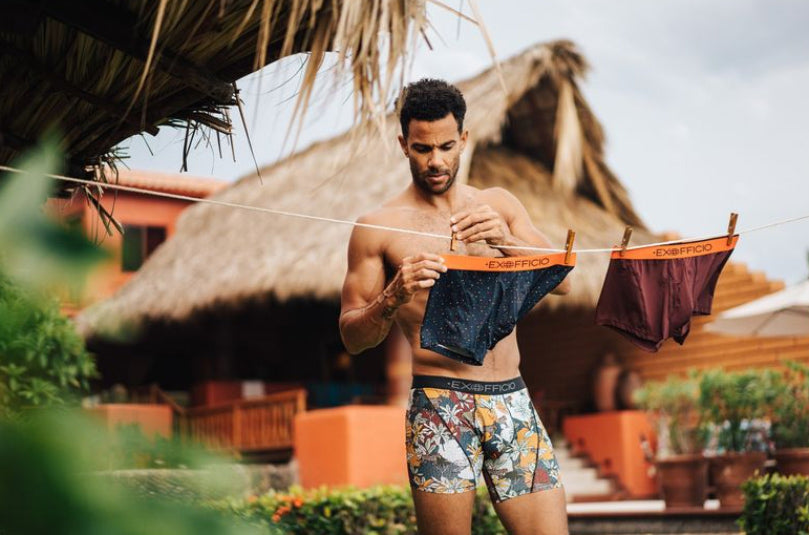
column 391, row 210
column 381, row 215
column 497, row 196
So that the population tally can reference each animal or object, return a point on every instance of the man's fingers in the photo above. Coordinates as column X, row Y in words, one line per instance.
column 458, row 217
column 434, row 266
column 479, row 236
column 427, row 274
column 466, row 222
column 487, row 226
column 430, row 257
column 415, row 286
column 475, row 219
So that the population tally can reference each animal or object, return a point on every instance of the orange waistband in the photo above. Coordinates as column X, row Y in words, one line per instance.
column 678, row 250
column 508, row 263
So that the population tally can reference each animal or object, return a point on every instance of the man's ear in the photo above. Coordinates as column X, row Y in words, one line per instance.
column 403, row 144
column 464, row 136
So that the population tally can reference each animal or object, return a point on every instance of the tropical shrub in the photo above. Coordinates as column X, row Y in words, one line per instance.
column 43, row 361
column 734, row 402
column 790, row 408
column 382, row 510
column 673, row 406
column 776, row 505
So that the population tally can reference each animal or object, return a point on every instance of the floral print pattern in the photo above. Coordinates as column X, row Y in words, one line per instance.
column 455, row 439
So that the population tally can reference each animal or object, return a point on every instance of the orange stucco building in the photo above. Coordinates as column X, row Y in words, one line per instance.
column 148, row 220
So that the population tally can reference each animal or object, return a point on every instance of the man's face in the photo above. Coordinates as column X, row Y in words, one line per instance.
column 434, row 150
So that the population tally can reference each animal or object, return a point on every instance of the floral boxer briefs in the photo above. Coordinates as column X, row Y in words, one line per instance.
column 460, row 431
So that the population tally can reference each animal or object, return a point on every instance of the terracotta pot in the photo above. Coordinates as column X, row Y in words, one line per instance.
column 792, row 461
column 683, row 480
column 730, row 470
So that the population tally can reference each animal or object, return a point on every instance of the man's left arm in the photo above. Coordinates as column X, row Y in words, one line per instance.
column 502, row 222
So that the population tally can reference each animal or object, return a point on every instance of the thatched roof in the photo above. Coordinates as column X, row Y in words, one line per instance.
column 222, row 255
column 101, row 71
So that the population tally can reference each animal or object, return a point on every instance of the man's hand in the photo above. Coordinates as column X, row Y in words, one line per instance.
column 480, row 224
column 416, row 273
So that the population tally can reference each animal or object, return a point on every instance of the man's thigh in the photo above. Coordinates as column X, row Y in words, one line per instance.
column 444, row 514
column 537, row 513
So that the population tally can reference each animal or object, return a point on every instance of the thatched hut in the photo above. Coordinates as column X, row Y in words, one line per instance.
column 100, row 71
column 259, row 294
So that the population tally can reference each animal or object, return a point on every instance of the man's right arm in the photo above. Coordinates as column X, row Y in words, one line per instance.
column 368, row 305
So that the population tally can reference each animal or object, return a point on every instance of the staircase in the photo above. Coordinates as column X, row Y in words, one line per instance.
column 580, row 477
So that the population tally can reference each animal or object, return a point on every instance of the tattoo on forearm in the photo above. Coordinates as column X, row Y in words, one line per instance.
column 388, row 312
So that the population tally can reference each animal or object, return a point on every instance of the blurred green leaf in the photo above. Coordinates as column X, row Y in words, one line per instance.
column 50, row 486
column 36, row 249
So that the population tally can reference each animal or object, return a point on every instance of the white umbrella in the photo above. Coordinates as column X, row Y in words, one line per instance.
column 784, row 313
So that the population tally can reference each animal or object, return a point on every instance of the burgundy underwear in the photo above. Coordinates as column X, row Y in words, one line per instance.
column 650, row 293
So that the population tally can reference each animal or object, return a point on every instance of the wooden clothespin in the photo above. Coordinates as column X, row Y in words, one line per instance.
column 625, row 239
column 732, row 226
column 571, row 235
column 453, row 243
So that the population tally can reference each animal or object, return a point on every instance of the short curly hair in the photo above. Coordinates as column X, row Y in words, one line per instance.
column 430, row 100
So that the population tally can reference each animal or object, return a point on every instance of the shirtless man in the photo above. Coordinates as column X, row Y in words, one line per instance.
column 453, row 433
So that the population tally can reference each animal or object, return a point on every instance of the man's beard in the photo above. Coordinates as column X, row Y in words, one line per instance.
column 420, row 178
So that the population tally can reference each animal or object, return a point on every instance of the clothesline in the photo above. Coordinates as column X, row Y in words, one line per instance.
column 142, row 191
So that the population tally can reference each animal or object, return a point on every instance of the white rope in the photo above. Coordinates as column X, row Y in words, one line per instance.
column 142, row 191
column 132, row 189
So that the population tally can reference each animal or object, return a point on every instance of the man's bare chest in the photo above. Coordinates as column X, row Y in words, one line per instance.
column 401, row 246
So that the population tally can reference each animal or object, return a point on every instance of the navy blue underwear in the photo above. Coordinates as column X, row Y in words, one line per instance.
column 479, row 300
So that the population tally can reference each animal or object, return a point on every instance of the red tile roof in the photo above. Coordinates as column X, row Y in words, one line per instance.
column 179, row 184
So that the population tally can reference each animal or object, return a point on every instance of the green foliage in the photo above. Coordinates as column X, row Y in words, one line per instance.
column 130, row 448
column 49, row 459
column 673, row 404
column 49, row 486
column 776, row 505
column 790, row 408
column 732, row 400
column 384, row 510
column 43, row 361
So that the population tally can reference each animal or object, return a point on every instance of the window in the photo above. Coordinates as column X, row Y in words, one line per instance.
column 139, row 242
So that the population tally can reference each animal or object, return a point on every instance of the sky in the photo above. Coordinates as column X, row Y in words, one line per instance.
column 705, row 104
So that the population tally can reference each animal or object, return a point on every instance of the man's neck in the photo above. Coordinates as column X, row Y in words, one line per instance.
column 444, row 202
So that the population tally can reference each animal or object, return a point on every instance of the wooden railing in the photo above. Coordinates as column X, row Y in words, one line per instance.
column 243, row 426
column 247, row 425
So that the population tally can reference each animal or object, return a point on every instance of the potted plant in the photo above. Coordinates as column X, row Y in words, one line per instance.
column 681, row 468
column 790, row 420
column 736, row 403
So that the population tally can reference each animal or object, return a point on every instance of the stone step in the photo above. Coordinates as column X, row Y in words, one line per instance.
column 580, row 479
column 585, row 476
column 571, row 463
column 599, row 486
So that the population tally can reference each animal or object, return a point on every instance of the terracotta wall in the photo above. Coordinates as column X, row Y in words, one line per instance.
column 128, row 209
